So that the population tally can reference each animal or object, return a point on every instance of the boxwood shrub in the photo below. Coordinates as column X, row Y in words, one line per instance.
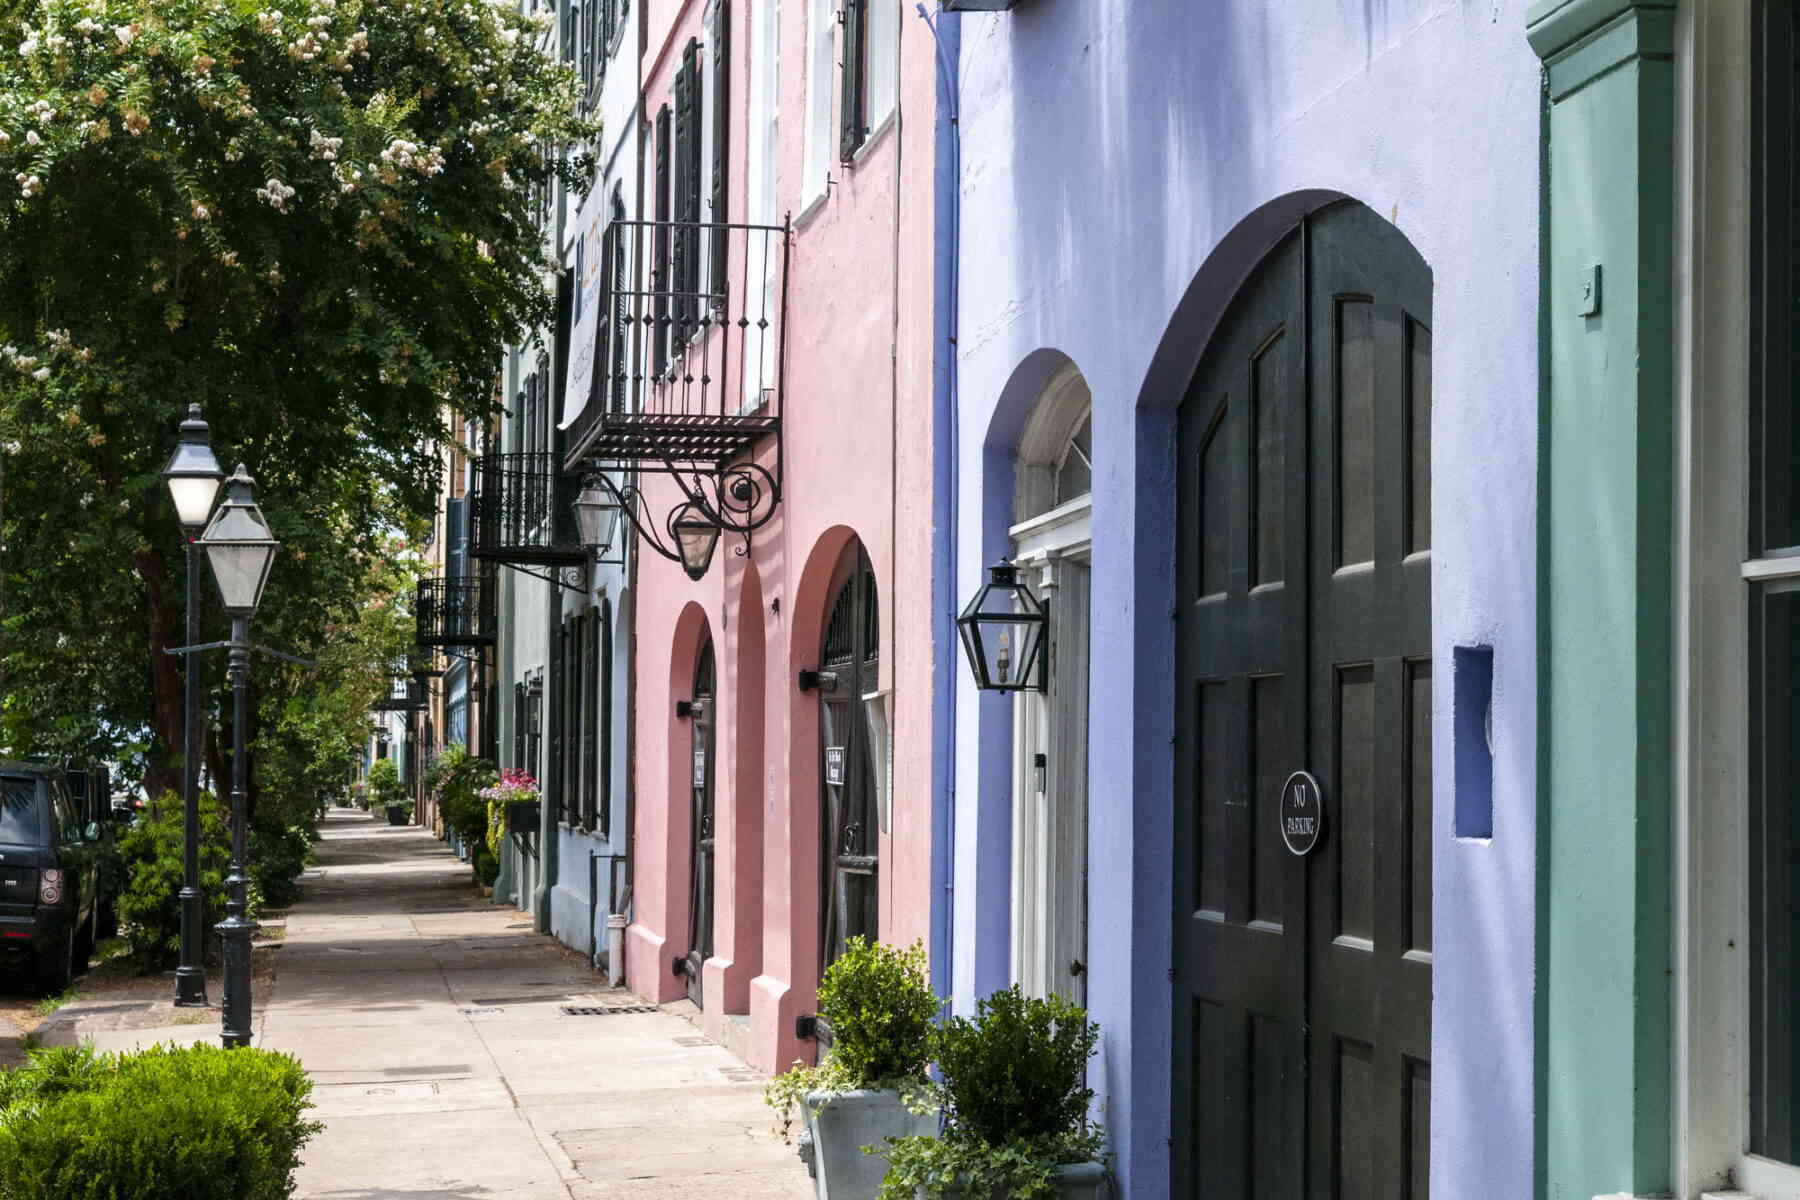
column 168, row 1123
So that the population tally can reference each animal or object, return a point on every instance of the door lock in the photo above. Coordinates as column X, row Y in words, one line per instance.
column 1077, row 968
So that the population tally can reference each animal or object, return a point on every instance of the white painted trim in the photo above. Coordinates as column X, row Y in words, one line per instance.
column 1765, row 1179
column 1761, row 569
column 1711, row 694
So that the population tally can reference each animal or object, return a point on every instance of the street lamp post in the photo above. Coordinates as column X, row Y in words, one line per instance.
column 193, row 477
column 241, row 549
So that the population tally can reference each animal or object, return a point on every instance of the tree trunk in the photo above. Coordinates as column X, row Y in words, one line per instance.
column 167, row 715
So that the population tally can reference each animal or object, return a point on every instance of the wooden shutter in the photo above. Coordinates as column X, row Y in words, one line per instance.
column 518, row 742
column 553, row 781
column 620, row 332
column 603, row 790
column 591, row 685
column 687, row 190
column 721, row 100
column 660, row 283
column 856, row 77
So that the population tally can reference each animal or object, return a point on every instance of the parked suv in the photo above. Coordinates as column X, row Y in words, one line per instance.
column 50, row 850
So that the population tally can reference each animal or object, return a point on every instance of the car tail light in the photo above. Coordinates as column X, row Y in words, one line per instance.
column 49, row 886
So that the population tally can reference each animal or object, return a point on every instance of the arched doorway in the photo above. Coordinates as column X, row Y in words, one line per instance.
column 1052, row 543
column 848, row 672
column 1303, row 980
column 700, row 858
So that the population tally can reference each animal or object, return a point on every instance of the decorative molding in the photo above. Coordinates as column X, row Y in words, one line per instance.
column 1582, row 40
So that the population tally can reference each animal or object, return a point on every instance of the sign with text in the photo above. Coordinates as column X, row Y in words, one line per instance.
column 834, row 766
column 1302, row 813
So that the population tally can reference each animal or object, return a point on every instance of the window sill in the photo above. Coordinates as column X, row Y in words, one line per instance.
column 810, row 208
column 873, row 139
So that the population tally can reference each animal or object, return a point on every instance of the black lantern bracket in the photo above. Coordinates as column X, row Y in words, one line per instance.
column 738, row 499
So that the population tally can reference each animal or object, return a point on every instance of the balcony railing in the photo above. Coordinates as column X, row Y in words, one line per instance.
column 523, row 510
column 406, row 693
column 456, row 612
column 688, row 347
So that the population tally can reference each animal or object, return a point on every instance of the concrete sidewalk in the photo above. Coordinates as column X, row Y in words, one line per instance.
column 448, row 1063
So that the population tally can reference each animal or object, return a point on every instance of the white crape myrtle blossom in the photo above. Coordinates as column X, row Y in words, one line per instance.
column 276, row 194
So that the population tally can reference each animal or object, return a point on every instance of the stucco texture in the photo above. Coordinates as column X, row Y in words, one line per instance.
column 1108, row 150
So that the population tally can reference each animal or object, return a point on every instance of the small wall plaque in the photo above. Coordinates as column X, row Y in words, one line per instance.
column 834, row 766
column 1302, row 813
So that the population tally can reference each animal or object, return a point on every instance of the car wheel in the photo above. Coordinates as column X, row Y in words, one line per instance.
column 56, row 965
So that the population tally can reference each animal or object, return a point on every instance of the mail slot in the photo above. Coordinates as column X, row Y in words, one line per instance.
column 522, row 816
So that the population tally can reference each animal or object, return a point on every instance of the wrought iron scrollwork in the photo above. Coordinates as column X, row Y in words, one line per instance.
column 740, row 498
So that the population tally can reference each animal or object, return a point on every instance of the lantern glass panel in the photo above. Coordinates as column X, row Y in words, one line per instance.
column 697, row 539
column 193, row 496
column 241, row 571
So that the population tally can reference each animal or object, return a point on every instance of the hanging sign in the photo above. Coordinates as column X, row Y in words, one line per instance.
column 1302, row 813
column 834, row 766
column 699, row 766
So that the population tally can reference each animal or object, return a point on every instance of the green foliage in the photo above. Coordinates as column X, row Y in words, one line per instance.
column 485, row 865
column 315, row 221
column 1015, row 1103
column 278, row 856
column 151, row 851
column 879, row 1004
column 192, row 1123
column 458, row 777
column 385, row 787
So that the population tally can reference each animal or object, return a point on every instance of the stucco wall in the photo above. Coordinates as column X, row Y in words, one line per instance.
column 1107, row 149
column 856, row 413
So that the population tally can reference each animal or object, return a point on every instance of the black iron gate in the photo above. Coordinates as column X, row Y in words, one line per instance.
column 700, row 909
column 849, row 670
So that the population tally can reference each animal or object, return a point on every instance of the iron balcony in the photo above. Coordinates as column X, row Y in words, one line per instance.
column 687, row 348
column 523, row 511
column 456, row 612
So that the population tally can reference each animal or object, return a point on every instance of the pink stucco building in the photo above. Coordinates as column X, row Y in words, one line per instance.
column 769, row 358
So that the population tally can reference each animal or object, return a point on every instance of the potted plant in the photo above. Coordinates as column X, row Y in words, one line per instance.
column 1015, row 1100
column 387, row 792
column 871, row 1085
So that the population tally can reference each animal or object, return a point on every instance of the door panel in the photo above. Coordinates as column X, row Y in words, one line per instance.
column 701, row 862
column 1303, row 985
column 849, row 670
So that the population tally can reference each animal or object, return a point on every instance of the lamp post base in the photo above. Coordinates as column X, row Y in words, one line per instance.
column 190, row 976
column 235, row 1028
column 190, row 988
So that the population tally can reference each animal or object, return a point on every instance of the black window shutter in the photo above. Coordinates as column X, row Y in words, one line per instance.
column 687, row 189
column 603, row 789
column 620, row 338
column 518, row 742
column 856, row 72
column 660, row 282
column 554, row 719
column 721, row 100
column 591, row 684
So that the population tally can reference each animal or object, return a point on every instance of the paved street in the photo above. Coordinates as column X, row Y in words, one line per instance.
column 435, row 1025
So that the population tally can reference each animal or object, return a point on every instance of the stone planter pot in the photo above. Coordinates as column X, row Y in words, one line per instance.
column 1077, row 1181
column 846, row 1123
column 396, row 815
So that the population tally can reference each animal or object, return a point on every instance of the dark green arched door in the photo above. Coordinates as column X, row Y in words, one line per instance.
column 1303, row 983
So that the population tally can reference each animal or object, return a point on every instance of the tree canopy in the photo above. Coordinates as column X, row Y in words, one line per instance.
column 316, row 220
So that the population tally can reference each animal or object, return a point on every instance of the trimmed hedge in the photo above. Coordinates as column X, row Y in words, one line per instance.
column 168, row 1123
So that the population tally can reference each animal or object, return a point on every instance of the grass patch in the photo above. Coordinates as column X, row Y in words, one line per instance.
column 50, row 1004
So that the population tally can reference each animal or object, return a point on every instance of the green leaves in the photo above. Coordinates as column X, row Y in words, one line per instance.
column 317, row 225
column 168, row 1123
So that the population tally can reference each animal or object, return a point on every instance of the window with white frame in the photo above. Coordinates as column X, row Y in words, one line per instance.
column 821, row 76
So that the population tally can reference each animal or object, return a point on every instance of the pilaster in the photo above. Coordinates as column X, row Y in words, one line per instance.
column 1606, row 481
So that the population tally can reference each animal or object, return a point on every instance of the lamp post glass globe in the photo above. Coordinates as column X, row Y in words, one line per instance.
column 240, row 547
column 696, row 537
column 193, row 473
column 597, row 516
column 1003, row 630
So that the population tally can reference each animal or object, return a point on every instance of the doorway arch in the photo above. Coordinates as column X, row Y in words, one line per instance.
column 849, row 670
column 1303, row 643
